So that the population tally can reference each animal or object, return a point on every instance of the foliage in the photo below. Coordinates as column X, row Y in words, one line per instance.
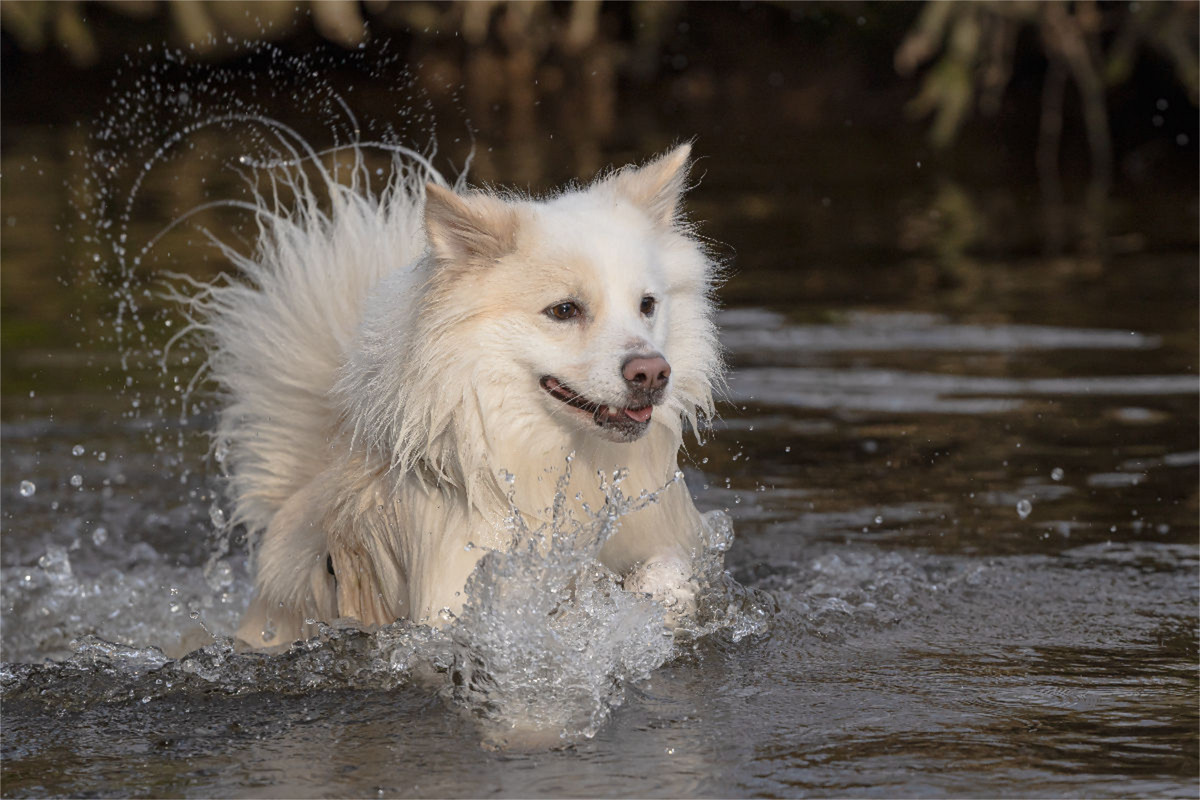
column 973, row 44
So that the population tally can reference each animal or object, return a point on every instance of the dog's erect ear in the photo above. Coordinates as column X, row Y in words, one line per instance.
column 656, row 187
column 474, row 229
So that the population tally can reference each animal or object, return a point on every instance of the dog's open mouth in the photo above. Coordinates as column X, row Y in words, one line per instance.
column 630, row 422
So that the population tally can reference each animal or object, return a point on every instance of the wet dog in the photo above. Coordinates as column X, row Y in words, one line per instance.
column 389, row 358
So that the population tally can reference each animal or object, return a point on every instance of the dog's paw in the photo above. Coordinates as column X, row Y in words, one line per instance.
column 668, row 582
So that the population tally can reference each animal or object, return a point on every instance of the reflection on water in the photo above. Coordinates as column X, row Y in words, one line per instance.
column 973, row 498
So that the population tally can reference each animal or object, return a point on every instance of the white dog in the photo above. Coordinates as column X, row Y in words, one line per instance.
column 392, row 356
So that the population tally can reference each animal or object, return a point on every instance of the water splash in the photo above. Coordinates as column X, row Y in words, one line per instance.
column 196, row 138
column 541, row 654
column 126, row 602
column 549, row 639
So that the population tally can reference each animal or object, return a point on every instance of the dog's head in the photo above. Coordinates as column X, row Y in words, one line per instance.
column 591, row 308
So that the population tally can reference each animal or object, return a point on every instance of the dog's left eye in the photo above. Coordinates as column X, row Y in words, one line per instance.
column 567, row 310
column 648, row 304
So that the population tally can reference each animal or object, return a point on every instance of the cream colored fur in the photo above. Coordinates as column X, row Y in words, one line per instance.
column 381, row 366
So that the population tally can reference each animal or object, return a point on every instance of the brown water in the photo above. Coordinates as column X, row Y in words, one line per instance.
column 968, row 478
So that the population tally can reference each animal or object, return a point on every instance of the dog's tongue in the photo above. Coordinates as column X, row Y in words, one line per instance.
column 639, row 414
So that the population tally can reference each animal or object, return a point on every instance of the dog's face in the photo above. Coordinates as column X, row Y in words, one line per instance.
column 596, row 318
column 589, row 309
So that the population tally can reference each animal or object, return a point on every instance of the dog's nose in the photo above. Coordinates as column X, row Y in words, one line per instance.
column 646, row 372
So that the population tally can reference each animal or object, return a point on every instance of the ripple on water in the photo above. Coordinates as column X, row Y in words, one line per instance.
column 759, row 331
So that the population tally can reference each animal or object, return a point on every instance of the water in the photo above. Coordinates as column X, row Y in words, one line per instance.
column 965, row 505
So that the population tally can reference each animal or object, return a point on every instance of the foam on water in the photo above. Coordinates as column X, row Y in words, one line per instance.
column 138, row 600
column 548, row 639
column 542, row 653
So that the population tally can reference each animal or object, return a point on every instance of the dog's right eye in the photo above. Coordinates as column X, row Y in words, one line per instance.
column 567, row 310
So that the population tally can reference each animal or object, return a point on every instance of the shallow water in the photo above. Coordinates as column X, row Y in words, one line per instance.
column 973, row 500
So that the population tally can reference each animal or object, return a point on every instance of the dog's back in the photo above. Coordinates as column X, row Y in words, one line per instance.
column 279, row 333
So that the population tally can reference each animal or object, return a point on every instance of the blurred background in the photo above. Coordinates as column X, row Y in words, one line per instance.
column 1083, row 105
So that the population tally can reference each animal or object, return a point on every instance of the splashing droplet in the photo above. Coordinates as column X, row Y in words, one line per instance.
column 1024, row 508
column 27, row 488
column 56, row 564
column 77, row 450
column 219, row 575
column 217, row 516
column 77, row 481
column 1056, row 474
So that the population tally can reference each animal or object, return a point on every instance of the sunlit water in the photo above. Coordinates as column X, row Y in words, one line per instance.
column 965, row 559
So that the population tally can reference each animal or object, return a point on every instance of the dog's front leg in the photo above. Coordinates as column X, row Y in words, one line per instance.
column 368, row 590
column 668, row 580
column 292, row 585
